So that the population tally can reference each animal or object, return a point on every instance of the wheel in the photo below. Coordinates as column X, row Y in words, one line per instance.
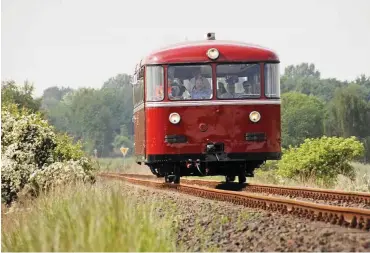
column 229, row 179
column 176, row 179
column 154, row 171
column 242, row 177
column 168, row 178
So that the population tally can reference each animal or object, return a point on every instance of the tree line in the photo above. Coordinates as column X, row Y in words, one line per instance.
column 102, row 118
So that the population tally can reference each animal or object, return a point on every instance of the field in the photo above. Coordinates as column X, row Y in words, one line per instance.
column 121, row 165
column 98, row 217
column 112, row 216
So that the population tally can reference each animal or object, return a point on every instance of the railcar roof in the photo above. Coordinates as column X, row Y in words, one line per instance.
column 195, row 51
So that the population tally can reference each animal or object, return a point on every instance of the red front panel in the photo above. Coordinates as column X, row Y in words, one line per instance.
column 226, row 123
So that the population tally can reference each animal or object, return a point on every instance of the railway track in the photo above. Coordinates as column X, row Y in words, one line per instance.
column 340, row 197
column 344, row 216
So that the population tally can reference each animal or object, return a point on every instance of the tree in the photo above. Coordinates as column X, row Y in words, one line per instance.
column 95, row 116
column 302, row 70
column 11, row 93
column 302, row 117
column 53, row 95
column 348, row 113
column 304, row 78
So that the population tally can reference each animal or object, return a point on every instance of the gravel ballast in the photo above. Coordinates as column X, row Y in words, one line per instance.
column 207, row 225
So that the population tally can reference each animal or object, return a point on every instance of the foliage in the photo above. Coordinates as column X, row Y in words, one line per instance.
column 29, row 145
column 67, row 150
column 302, row 117
column 304, row 78
column 100, row 118
column 349, row 113
column 11, row 93
column 346, row 106
column 322, row 159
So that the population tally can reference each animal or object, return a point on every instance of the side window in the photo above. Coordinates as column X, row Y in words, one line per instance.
column 139, row 88
column 272, row 80
column 154, row 80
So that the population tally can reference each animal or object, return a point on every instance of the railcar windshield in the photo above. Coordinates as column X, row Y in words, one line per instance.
column 190, row 82
column 238, row 81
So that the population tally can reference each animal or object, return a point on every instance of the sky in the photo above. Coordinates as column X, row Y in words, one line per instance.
column 82, row 43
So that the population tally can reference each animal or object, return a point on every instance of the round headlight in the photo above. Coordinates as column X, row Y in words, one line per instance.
column 213, row 53
column 255, row 116
column 174, row 118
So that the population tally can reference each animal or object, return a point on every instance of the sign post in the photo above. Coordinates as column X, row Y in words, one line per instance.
column 124, row 152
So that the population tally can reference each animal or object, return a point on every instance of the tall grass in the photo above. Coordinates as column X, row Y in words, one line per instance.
column 127, row 165
column 360, row 183
column 86, row 218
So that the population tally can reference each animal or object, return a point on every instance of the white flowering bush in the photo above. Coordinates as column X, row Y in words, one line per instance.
column 34, row 157
column 57, row 174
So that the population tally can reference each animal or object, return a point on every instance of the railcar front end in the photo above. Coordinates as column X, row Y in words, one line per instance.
column 209, row 109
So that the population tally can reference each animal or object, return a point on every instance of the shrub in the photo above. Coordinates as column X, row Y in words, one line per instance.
column 31, row 147
column 66, row 150
column 321, row 159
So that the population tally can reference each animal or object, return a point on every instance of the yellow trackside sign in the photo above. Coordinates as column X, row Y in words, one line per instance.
column 124, row 151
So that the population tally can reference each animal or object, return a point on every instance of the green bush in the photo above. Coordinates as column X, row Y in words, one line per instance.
column 66, row 150
column 321, row 159
column 32, row 150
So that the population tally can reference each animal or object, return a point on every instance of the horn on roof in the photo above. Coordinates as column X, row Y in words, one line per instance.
column 210, row 36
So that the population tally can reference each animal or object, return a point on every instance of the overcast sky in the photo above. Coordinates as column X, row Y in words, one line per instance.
column 84, row 42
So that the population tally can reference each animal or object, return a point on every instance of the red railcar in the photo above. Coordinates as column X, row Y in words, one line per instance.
column 207, row 108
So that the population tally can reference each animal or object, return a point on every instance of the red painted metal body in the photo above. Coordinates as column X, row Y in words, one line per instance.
column 195, row 52
column 225, row 123
column 140, row 129
column 210, row 120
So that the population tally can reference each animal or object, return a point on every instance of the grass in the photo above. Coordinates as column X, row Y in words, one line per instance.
column 361, row 182
column 86, row 218
column 127, row 165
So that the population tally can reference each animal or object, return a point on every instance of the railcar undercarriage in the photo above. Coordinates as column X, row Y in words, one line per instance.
column 172, row 171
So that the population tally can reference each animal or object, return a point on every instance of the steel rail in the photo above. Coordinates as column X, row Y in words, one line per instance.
column 344, row 216
column 303, row 192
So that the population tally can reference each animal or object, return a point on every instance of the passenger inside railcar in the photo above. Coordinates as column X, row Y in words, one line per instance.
column 243, row 80
column 247, row 85
column 251, row 88
column 193, row 82
column 196, row 74
column 177, row 90
column 231, row 81
column 201, row 90
column 221, row 88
